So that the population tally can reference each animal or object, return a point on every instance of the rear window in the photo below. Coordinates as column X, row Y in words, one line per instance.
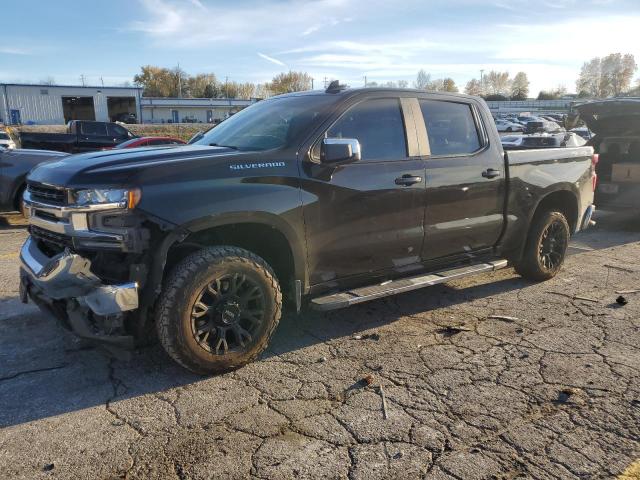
column 451, row 127
column 93, row 128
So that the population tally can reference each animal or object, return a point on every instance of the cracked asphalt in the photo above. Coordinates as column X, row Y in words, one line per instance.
column 486, row 377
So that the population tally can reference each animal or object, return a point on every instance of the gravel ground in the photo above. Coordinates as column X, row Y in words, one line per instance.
column 549, row 390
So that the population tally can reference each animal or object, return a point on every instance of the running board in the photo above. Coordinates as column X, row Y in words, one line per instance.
column 392, row 287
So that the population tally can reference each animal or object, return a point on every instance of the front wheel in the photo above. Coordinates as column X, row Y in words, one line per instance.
column 218, row 309
column 546, row 247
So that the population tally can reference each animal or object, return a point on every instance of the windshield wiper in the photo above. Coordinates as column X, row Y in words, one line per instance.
column 232, row 147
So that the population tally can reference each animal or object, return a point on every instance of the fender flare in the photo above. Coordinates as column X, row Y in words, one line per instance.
column 296, row 244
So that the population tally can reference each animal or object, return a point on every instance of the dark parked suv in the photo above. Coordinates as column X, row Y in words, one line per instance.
column 325, row 199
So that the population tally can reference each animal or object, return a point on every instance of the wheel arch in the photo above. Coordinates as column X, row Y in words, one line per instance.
column 563, row 199
column 266, row 235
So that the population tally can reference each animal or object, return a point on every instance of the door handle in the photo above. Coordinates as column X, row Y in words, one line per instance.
column 491, row 173
column 408, row 180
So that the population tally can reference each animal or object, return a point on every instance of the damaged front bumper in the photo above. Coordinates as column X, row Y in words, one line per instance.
column 65, row 286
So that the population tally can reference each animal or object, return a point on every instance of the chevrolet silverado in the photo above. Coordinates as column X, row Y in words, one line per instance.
column 319, row 199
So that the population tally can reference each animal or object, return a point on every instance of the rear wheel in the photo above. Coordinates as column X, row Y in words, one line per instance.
column 546, row 247
column 509, row 129
column 218, row 309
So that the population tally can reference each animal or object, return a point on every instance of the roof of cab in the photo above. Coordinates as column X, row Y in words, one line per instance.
column 349, row 92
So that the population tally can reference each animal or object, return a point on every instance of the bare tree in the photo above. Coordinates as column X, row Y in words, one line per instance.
column 48, row 80
column 403, row 84
column 520, row 86
column 423, row 80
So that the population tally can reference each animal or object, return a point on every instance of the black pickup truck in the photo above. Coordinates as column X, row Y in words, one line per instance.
column 81, row 136
column 323, row 199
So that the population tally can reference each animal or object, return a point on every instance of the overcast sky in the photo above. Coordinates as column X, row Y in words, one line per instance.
column 345, row 39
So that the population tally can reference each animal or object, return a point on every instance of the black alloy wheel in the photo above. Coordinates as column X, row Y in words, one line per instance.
column 553, row 246
column 227, row 314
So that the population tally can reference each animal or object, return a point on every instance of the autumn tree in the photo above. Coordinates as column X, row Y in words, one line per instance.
column 155, row 81
column 449, row 85
column 607, row 76
column 520, row 87
column 617, row 72
column 290, row 82
column 202, row 85
column 497, row 83
column 473, row 87
column 553, row 94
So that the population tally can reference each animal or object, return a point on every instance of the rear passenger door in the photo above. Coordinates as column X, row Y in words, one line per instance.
column 465, row 181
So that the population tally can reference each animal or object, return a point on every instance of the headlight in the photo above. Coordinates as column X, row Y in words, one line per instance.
column 123, row 197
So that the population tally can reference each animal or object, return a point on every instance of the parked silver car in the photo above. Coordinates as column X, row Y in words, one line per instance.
column 507, row 126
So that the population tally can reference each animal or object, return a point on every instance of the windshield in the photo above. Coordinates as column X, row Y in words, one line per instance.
column 269, row 124
column 4, row 136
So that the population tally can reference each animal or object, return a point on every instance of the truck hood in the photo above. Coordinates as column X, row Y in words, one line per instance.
column 618, row 116
column 118, row 167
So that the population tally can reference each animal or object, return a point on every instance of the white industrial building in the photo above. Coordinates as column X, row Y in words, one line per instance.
column 183, row 110
column 57, row 104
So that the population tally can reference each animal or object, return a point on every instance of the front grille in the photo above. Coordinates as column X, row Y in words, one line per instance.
column 56, row 196
column 57, row 239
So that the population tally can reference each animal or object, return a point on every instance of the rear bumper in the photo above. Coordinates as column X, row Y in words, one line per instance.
column 65, row 286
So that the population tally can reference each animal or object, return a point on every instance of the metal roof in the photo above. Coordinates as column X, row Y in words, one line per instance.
column 39, row 85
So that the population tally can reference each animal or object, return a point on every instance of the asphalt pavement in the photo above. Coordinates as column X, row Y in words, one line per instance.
column 484, row 377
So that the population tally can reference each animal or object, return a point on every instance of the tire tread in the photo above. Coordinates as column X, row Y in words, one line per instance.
column 179, row 278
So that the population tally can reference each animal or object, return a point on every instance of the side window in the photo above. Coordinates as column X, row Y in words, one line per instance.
column 377, row 125
column 93, row 128
column 116, row 131
column 451, row 127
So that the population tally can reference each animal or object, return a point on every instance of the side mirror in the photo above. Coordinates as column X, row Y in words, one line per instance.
column 334, row 150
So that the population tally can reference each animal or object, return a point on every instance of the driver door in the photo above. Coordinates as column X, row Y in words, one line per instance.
column 366, row 217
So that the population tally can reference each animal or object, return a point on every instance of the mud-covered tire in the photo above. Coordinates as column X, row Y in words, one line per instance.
column 196, row 276
column 548, row 239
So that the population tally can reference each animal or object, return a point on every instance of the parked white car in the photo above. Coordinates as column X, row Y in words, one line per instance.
column 507, row 126
column 5, row 141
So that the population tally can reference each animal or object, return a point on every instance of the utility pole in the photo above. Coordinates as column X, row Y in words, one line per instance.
column 226, row 87
column 365, row 81
column 102, row 81
column 311, row 83
column 325, row 83
column 82, row 79
column 179, row 82
column 481, row 82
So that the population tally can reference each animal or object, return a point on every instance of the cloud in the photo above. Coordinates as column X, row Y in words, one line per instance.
column 453, row 38
column 14, row 51
column 271, row 59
